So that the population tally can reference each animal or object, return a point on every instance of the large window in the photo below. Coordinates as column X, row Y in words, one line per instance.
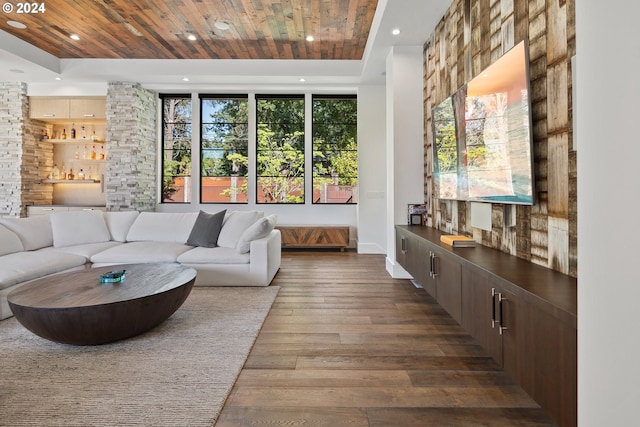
column 176, row 148
column 335, row 150
column 280, row 149
column 224, row 149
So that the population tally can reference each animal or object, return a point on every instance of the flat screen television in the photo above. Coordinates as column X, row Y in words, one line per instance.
column 489, row 122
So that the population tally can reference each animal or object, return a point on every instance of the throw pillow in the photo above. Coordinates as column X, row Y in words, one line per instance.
column 260, row 229
column 78, row 228
column 233, row 227
column 206, row 229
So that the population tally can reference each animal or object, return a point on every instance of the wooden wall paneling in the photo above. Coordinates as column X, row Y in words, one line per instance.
column 521, row 20
column 557, row 98
column 558, row 244
column 495, row 29
column 523, row 232
column 556, row 31
column 472, row 34
column 557, row 179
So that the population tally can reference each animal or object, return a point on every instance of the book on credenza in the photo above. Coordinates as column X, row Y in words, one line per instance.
column 458, row 241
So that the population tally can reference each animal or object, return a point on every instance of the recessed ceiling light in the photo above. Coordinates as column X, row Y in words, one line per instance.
column 192, row 37
column 310, row 38
column 221, row 25
column 58, row 78
column 16, row 24
column 75, row 36
column 395, row 31
column 185, row 79
column 302, row 79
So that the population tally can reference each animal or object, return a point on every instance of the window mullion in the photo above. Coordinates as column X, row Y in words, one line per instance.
column 195, row 147
column 308, row 147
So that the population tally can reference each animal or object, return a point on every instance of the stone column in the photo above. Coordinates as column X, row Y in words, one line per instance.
column 24, row 159
column 131, row 148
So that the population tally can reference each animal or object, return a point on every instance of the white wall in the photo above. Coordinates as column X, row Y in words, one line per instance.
column 371, row 210
column 405, row 141
column 608, row 93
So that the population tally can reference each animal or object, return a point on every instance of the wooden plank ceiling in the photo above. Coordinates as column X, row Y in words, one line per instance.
column 158, row 29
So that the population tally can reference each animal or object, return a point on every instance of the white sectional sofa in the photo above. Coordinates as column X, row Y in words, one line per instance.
column 240, row 248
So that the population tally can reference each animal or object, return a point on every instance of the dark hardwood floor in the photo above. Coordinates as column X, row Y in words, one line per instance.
column 347, row 345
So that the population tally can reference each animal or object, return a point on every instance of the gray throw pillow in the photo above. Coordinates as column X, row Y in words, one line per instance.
column 206, row 229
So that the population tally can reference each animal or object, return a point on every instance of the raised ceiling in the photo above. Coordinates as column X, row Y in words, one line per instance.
column 159, row 29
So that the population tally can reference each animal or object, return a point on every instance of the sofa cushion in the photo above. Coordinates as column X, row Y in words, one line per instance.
column 217, row 255
column 9, row 242
column 119, row 224
column 234, row 225
column 206, row 229
column 258, row 230
column 141, row 252
column 34, row 232
column 22, row 266
column 162, row 227
column 87, row 250
column 78, row 228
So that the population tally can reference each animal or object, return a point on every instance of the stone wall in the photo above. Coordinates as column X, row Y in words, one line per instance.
column 131, row 146
column 24, row 159
column 470, row 37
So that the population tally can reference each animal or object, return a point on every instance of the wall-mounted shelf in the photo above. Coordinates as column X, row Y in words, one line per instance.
column 77, row 141
column 70, row 181
column 87, row 161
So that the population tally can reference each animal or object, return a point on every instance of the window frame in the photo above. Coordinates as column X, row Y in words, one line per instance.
column 163, row 149
column 298, row 97
column 202, row 97
column 315, row 97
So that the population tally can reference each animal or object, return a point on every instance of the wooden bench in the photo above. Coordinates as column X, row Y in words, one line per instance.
column 314, row 236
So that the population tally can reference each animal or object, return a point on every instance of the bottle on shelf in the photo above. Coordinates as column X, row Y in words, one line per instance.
column 84, row 134
column 55, row 172
column 85, row 153
column 93, row 153
column 71, row 176
column 64, row 134
column 73, row 132
column 45, row 135
column 103, row 155
column 77, row 153
column 81, row 174
column 94, row 137
column 63, row 174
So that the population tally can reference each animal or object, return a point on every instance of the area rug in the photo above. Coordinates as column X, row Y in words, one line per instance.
column 178, row 374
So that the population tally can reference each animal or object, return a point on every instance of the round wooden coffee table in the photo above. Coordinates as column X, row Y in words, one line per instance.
column 75, row 308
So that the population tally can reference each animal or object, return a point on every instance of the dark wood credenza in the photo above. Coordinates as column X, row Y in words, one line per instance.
column 523, row 314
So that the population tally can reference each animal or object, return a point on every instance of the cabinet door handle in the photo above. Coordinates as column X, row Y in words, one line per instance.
column 434, row 263
column 403, row 245
column 493, row 308
column 501, row 301
column 430, row 264
column 88, row 115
